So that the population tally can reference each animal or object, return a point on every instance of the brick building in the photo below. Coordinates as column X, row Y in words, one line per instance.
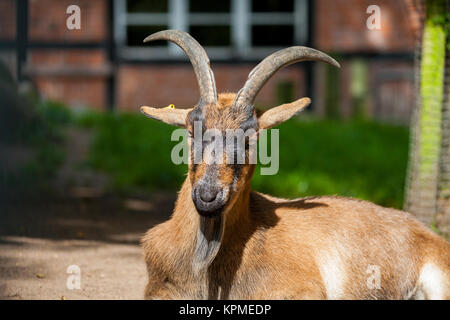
column 105, row 65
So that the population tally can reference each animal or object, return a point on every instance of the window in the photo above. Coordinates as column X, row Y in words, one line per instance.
column 138, row 6
column 245, row 29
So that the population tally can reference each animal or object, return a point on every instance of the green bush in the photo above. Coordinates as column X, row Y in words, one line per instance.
column 365, row 160
column 47, row 138
column 134, row 150
column 36, row 127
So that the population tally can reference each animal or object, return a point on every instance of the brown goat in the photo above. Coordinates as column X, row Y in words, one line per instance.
column 225, row 241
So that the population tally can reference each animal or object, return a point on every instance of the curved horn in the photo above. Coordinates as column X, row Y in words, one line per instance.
column 198, row 57
column 271, row 64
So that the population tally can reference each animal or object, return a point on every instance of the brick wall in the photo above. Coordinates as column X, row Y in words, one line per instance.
column 340, row 26
column 7, row 19
column 47, row 20
column 160, row 85
column 86, row 85
column 83, row 86
column 392, row 90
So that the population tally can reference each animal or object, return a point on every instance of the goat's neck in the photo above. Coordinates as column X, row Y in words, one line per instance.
column 238, row 215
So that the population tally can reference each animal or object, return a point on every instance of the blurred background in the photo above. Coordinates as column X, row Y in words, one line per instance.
column 73, row 145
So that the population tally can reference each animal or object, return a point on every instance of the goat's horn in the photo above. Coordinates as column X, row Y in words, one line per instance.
column 271, row 64
column 198, row 57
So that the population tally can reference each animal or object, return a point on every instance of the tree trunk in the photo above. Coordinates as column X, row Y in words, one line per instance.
column 443, row 212
column 422, row 187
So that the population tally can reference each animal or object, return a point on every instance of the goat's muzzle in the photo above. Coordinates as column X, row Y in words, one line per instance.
column 209, row 200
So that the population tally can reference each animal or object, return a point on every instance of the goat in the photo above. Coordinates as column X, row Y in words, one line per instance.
column 224, row 241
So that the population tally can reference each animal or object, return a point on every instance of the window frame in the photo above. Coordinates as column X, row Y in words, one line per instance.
column 241, row 18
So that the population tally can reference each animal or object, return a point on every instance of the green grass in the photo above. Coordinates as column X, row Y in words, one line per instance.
column 360, row 159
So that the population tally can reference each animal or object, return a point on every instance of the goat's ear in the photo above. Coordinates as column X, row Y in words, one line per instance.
column 280, row 114
column 169, row 115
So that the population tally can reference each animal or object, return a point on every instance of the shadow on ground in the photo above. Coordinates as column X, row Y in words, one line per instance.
column 40, row 238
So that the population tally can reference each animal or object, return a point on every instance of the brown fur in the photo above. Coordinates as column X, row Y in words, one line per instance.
column 308, row 248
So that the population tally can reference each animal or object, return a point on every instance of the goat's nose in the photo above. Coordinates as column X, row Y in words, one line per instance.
column 208, row 194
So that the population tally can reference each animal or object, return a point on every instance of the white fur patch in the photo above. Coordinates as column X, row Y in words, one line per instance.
column 332, row 275
column 431, row 282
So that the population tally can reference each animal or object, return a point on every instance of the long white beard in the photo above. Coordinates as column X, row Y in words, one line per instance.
column 209, row 239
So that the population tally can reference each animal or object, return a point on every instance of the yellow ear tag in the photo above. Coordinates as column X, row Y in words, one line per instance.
column 170, row 106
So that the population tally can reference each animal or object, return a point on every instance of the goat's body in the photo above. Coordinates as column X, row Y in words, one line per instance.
column 223, row 241
column 310, row 248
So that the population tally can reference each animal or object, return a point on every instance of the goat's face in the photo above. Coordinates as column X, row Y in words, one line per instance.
column 216, row 177
column 221, row 140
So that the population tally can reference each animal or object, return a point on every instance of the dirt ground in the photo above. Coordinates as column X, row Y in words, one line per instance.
column 41, row 238
column 77, row 223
